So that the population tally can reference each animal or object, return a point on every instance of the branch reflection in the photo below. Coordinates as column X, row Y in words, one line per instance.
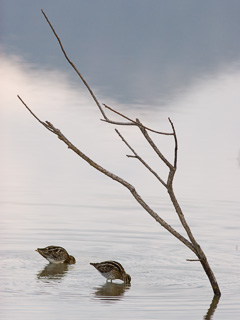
column 212, row 308
column 111, row 291
column 53, row 271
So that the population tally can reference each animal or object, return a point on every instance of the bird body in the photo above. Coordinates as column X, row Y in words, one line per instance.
column 56, row 254
column 112, row 270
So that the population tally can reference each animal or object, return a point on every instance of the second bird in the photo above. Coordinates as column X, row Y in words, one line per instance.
column 112, row 270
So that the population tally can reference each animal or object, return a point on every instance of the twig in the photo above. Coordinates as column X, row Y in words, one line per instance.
column 43, row 123
column 193, row 260
column 136, row 123
column 176, row 144
column 75, row 68
column 119, row 123
column 140, row 159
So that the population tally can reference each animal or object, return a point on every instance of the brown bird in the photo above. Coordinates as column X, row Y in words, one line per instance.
column 112, row 270
column 56, row 254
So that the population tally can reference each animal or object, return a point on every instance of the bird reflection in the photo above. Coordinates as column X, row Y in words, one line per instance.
column 53, row 271
column 111, row 291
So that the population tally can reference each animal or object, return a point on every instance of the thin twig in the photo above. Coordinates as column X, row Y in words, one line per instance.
column 193, row 260
column 119, row 123
column 176, row 144
column 43, row 123
column 136, row 123
column 140, row 159
column 75, row 68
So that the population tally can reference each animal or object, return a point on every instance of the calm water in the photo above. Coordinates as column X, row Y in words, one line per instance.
column 49, row 196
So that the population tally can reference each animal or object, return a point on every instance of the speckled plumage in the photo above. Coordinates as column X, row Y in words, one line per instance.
column 112, row 270
column 55, row 254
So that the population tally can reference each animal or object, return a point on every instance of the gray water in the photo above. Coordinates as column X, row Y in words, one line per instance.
column 163, row 284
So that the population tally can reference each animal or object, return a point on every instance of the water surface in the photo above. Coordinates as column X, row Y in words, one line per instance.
column 49, row 196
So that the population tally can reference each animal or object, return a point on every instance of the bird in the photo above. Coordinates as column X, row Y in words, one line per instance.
column 55, row 254
column 112, row 270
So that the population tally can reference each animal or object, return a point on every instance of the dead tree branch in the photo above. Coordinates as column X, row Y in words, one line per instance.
column 48, row 125
column 140, row 159
column 75, row 68
column 191, row 243
column 132, row 122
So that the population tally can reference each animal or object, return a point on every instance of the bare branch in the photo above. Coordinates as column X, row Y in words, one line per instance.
column 176, row 144
column 48, row 125
column 43, row 123
column 140, row 159
column 119, row 123
column 172, row 171
column 136, row 122
column 153, row 145
column 131, row 156
column 74, row 67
